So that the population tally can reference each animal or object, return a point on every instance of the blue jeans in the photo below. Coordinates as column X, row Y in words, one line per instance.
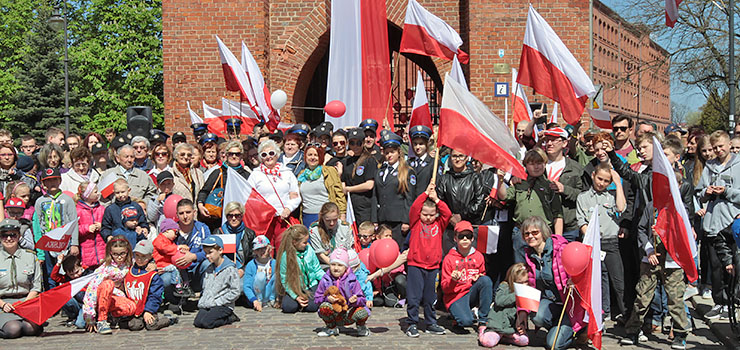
column 480, row 295
column 572, row 236
column 73, row 310
column 659, row 305
column 49, row 263
column 420, row 291
column 309, row 219
column 518, row 244
column 547, row 317
column 171, row 275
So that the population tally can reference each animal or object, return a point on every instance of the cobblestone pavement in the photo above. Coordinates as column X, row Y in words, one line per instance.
column 272, row 329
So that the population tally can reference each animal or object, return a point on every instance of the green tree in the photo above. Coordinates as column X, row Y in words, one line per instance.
column 16, row 17
column 713, row 116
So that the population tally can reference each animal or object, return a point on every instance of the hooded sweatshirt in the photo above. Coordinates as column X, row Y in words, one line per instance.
column 347, row 284
column 221, row 286
column 721, row 209
column 471, row 265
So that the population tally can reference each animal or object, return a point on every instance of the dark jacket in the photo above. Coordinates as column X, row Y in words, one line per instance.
column 296, row 165
column 423, row 169
column 464, row 194
column 391, row 205
column 112, row 217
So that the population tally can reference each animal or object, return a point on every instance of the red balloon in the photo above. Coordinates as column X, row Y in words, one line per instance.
column 576, row 257
column 170, row 206
column 365, row 258
column 384, row 252
column 335, row 108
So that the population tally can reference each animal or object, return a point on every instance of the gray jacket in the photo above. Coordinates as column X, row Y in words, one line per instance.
column 721, row 209
column 142, row 186
column 221, row 286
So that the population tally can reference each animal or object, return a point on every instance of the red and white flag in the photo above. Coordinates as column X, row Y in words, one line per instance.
column 234, row 109
column 43, row 307
column 520, row 110
column 671, row 12
column 194, row 117
column 527, row 298
column 57, row 239
column 428, row 35
column 554, row 116
column 105, row 185
column 215, row 120
column 229, row 241
column 467, row 125
column 551, row 69
column 457, row 73
column 672, row 224
column 235, row 75
column 258, row 212
column 487, row 242
column 420, row 113
column 588, row 283
column 601, row 118
column 261, row 93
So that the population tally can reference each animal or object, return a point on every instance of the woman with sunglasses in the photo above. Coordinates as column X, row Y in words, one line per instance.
column 217, row 180
column 358, row 177
column 319, row 184
column 234, row 225
column 20, row 280
column 161, row 157
column 188, row 180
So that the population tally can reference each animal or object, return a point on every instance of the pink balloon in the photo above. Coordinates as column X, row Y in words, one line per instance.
column 69, row 193
column 576, row 257
column 335, row 108
column 384, row 252
column 365, row 258
column 170, row 206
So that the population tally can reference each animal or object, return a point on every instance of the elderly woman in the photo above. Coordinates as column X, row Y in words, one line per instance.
column 20, row 281
column 211, row 194
column 279, row 187
column 319, row 184
column 188, row 180
column 162, row 158
column 80, row 171
column 234, row 225
column 544, row 254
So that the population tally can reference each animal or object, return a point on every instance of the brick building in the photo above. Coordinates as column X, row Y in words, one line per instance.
column 290, row 38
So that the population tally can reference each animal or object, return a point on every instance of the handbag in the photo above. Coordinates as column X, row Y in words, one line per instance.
column 214, row 201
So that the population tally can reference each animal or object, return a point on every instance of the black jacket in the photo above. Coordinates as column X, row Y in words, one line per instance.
column 464, row 193
column 391, row 205
column 574, row 183
column 423, row 169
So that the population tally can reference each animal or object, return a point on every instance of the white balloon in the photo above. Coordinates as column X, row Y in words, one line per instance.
column 278, row 99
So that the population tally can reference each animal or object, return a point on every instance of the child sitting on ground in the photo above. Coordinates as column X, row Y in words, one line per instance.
column 347, row 305
column 221, row 287
column 361, row 272
column 165, row 253
column 130, row 229
column 300, row 271
column 366, row 234
column 73, row 269
column 502, row 319
column 259, row 275
column 145, row 288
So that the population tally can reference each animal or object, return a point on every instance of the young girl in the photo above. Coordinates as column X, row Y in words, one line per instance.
column 502, row 319
column 90, row 212
column 20, row 189
column 259, row 275
column 300, row 271
column 395, row 188
column 341, row 276
column 104, row 293
column 329, row 233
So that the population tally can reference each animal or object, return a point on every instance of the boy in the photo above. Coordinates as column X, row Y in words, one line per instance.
column 130, row 220
column 221, row 288
column 145, row 288
column 366, row 234
column 72, row 266
column 428, row 218
column 735, row 145
column 155, row 207
column 464, row 281
column 259, row 275
column 112, row 218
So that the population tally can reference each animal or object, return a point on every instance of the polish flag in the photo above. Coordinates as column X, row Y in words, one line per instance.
column 520, row 110
column 258, row 212
column 194, row 117
column 588, row 283
column 43, row 307
column 234, row 109
column 229, row 243
column 261, row 93
column 235, row 75
column 359, row 74
column 57, row 239
column 554, row 116
column 457, row 74
column 487, row 242
column 105, row 185
column 420, row 114
column 527, row 298
column 671, row 12
column 672, row 224
column 428, row 35
column 467, row 125
column 353, row 224
column 551, row 69
column 215, row 119
column 601, row 118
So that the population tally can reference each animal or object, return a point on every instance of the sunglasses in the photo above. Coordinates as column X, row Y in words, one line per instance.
column 233, row 216
column 468, row 236
column 265, row 154
column 186, row 155
column 8, row 235
column 234, row 154
column 620, row 128
column 161, row 154
column 531, row 233
column 365, row 236
column 339, row 143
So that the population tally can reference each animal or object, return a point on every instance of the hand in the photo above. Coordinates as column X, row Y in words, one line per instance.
column 332, row 299
column 615, row 178
column 240, row 272
column 302, row 301
column 183, row 248
column 607, row 146
column 456, row 274
column 369, row 304
column 515, row 180
column 151, row 266
column 719, row 189
column 8, row 307
column 202, row 210
column 653, row 259
column 162, row 196
column 353, row 299
column 557, row 186
column 91, row 327
column 74, row 250
column 455, row 219
column 622, row 231
column 701, row 212
column 257, row 306
column 185, row 259
column 570, row 284
column 285, row 213
column 60, row 257
column 149, row 318
column 404, row 227
column 730, row 269
column 373, row 276
column 345, row 189
column 475, row 277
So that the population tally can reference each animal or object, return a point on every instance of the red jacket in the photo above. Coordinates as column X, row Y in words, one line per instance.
column 164, row 251
column 425, row 241
column 471, row 266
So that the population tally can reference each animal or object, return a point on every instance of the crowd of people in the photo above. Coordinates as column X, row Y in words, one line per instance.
column 147, row 261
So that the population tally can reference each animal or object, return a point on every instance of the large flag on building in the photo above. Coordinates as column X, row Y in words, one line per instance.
column 261, row 93
column 428, row 35
column 672, row 224
column 457, row 73
column 420, row 113
column 258, row 212
column 588, row 283
column 235, row 75
column 41, row 308
column 601, row 118
column 671, row 12
column 57, row 239
column 520, row 110
column 551, row 69
column 467, row 125
column 359, row 74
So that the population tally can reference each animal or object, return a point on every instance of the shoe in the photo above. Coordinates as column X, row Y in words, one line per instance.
column 715, row 312
column 175, row 309
column 667, row 325
column 328, row 332
column 434, row 329
column 679, row 342
column 173, row 320
column 707, row 293
column 362, row 331
column 725, row 314
column 629, row 340
column 412, row 331
column 641, row 337
column 183, row 292
column 619, row 319
column 690, row 292
column 104, row 327
column 70, row 323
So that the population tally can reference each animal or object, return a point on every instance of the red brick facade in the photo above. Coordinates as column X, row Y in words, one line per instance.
column 289, row 39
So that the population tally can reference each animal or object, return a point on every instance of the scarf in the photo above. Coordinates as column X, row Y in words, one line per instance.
column 226, row 228
column 310, row 175
column 275, row 171
column 185, row 173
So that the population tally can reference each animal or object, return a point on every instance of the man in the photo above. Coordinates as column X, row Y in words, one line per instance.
column 110, row 134
column 192, row 233
column 644, row 126
column 566, row 177
column 623, row 126
column 675, row 129
column 73, row 141
column 141, row 184
column 141, row 153
column 520, row 129
column 55, row 135
column 28, row 145
column 199, row 129
column 6, row 136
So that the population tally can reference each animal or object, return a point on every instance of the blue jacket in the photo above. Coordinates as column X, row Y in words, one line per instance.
column 130, row 235
column 156, row 290
column 200, row 232
column 250, row 271
column 112, row 217
column 367, row 288
column 296, row 165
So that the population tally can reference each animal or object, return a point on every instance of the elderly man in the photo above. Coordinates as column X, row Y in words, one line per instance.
column 142, row 186
column 141, row 153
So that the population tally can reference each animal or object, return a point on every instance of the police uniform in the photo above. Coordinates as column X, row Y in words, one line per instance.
column 356, row 174
column 393, row 207
column 372, row 125
column 233, row 127
column 422, row 165
column 20, row 273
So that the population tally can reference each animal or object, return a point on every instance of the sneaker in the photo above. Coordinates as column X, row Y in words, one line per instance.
column 619, row 319
column 690, row 292
column 630, row 340
column 641, row 337
column 328, row 332
column 362, row 331
column 707, row 293
column 434, row 329
column 412, row 331
column 104, row 327
column 715, row 312
column 725, row 314
column 679, row 342
column 173, row 320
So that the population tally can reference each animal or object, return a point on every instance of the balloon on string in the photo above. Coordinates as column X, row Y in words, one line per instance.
column 576, row 257
column 384, row 252
column 170, row 206
column 335, row 108
column 364, row 256
column 278, row 99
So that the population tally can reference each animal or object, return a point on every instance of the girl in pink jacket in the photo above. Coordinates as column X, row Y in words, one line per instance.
column 90, row 212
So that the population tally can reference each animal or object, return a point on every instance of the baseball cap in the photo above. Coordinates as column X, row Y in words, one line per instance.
column 212, row 241
column 164, row 176
column 463, row 226
column 260, row 241
column 51, row 173
column 144, row 247
column 15, row 202
column 128, row 213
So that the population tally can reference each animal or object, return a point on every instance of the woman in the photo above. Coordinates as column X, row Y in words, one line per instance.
column 8, row 170
column 212, row 190
column 21, row 281
column 210, row 153
column 234, row 225
column 279, row 187
column 319, row 184
column 395, row 188
column 91, row 139
column 50, row 156
column 358, row 177
column 543, row 255
column 162, row 159
column 188, row 180
column 330, row 233
column 339, row 150
column 80, row 171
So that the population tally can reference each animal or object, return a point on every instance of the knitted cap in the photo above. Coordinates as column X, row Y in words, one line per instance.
column 168, row 224
column 354, row 259
column 339, row 256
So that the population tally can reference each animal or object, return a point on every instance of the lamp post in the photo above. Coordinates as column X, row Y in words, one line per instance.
column 57, row 22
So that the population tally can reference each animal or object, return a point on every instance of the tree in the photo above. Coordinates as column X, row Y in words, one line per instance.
column 679, row 112
column 712, row 116
column 16, row 17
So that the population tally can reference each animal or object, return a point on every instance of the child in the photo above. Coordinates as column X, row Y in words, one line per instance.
column 259, row 275
column 112, row 218
column 503, row 316
column 155, row 207
column 329, row 233
column 428, row 218
column 341, row 276
column 300, row 271
column 366, row 234
column 22, row 190
column 464, row 280
column 221, row 287
column 90, row 212
column 130, row 230
column 359, row 269
column 390, row 289
column 73, row 269
column 145, row 288
column 165, row 253
column 104, row 294
column 14, row 208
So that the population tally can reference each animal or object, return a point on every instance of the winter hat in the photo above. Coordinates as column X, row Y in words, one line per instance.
column 168, row 224
column 24, row 163
column 354, row 259
column 339, row 256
